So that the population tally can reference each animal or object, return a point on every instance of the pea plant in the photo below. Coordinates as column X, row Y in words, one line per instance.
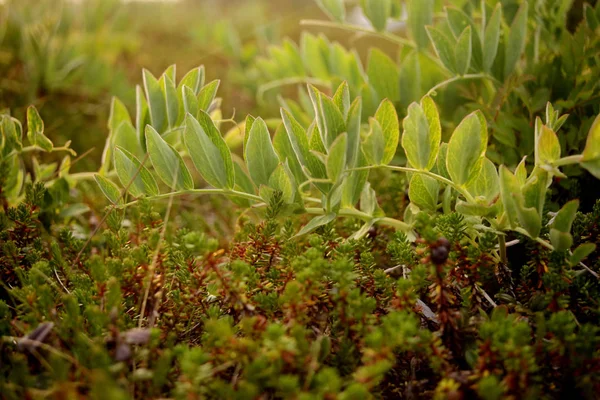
column 323, row 170
column 505, row 60
column 15, row 152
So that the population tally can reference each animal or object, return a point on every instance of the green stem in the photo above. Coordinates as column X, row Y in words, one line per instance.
column 459, row 78
column 290, row 81
column 400, row 225
column 198, row 191
column 437, row 177
column 502, row 247
column 367, row 31
column 360, row 29
column 576, row 159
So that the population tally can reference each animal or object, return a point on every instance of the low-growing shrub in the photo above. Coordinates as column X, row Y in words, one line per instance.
column 345, row 252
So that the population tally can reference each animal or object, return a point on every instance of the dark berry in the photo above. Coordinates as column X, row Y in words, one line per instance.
column 443, row 242
column 439, row 255
column 372, row 233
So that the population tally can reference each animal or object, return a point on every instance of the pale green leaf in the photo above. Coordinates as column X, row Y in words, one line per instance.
column 487, row 183
column 424, row 191
column 591, row 153
column 259, row 154
column 282, row 179
column 374, row 144
column 336, row 159
column 420, row 15
column 466, row 148
column 422, row 134
column 378, row 12
column 547, row 146
column 463, row 51
column 335, row 9
column 390, row 127
column 213, row 133
column 204, row 153
column 207, row 94
column 171, row 100
column 315, row 223
column 110, row 190
column 353, row 127
column 157, row 105
column 167, row 162
column 581, row 252
column 383, row 75
column 491, row 38
column 517, row 37
column 133, row 175
column 444, row 48
column 35, row 130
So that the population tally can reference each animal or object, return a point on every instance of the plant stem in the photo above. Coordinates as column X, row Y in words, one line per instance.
column 290, row 81
column 198, row 191
column 400, row 225
column 360, row 29
column 502, row 247
column 576, row 159
column 459, row 78
column 437, row 177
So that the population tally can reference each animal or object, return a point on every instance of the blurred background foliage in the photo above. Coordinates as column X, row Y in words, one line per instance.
column 68, row 58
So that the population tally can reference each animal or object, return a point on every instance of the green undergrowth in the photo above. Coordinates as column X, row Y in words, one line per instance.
column 268, row 316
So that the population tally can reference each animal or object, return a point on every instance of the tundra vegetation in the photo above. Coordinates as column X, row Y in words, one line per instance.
column 411, row 213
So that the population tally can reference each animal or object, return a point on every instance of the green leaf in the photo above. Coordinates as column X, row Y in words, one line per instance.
column 329, row 118
column 133, row 175
column 420, row 15
column 315, row 223
column 422, row 134
column 444, row 48
column 487, row 183
column 378, row 12
column 205, row 154
column 193, row 79
column 125, row 137
column 142, row 116
column 259, row 154
column 521, row 171
column 285, row 151
column 374, row 145
column 390, row 127
column 190, row 101
column 563, row 220
column 167, row 162
column 110, row 190
column 458, row 20
column 315, row 54
column 441, row 161
column 213, row 133
column 547, row 146
column 300, row 144
column 491, row 38
column 509, row 188
column 282, row 179
column 207, row 95
column 335, row 9
column 353, row 127
column 466, row 148
column 35, row 130
column 530, row 220
column 157, row 105
column 171, row 101
column 581, row 252
column 336, row 159
column 341, row 98
column 462, row 51
column 354, row 184
column 368, row 199
column 118, row 114
column 534, row 189
column 383, row 75
column 424, row 191
column 515, row 43
column 591, row 153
